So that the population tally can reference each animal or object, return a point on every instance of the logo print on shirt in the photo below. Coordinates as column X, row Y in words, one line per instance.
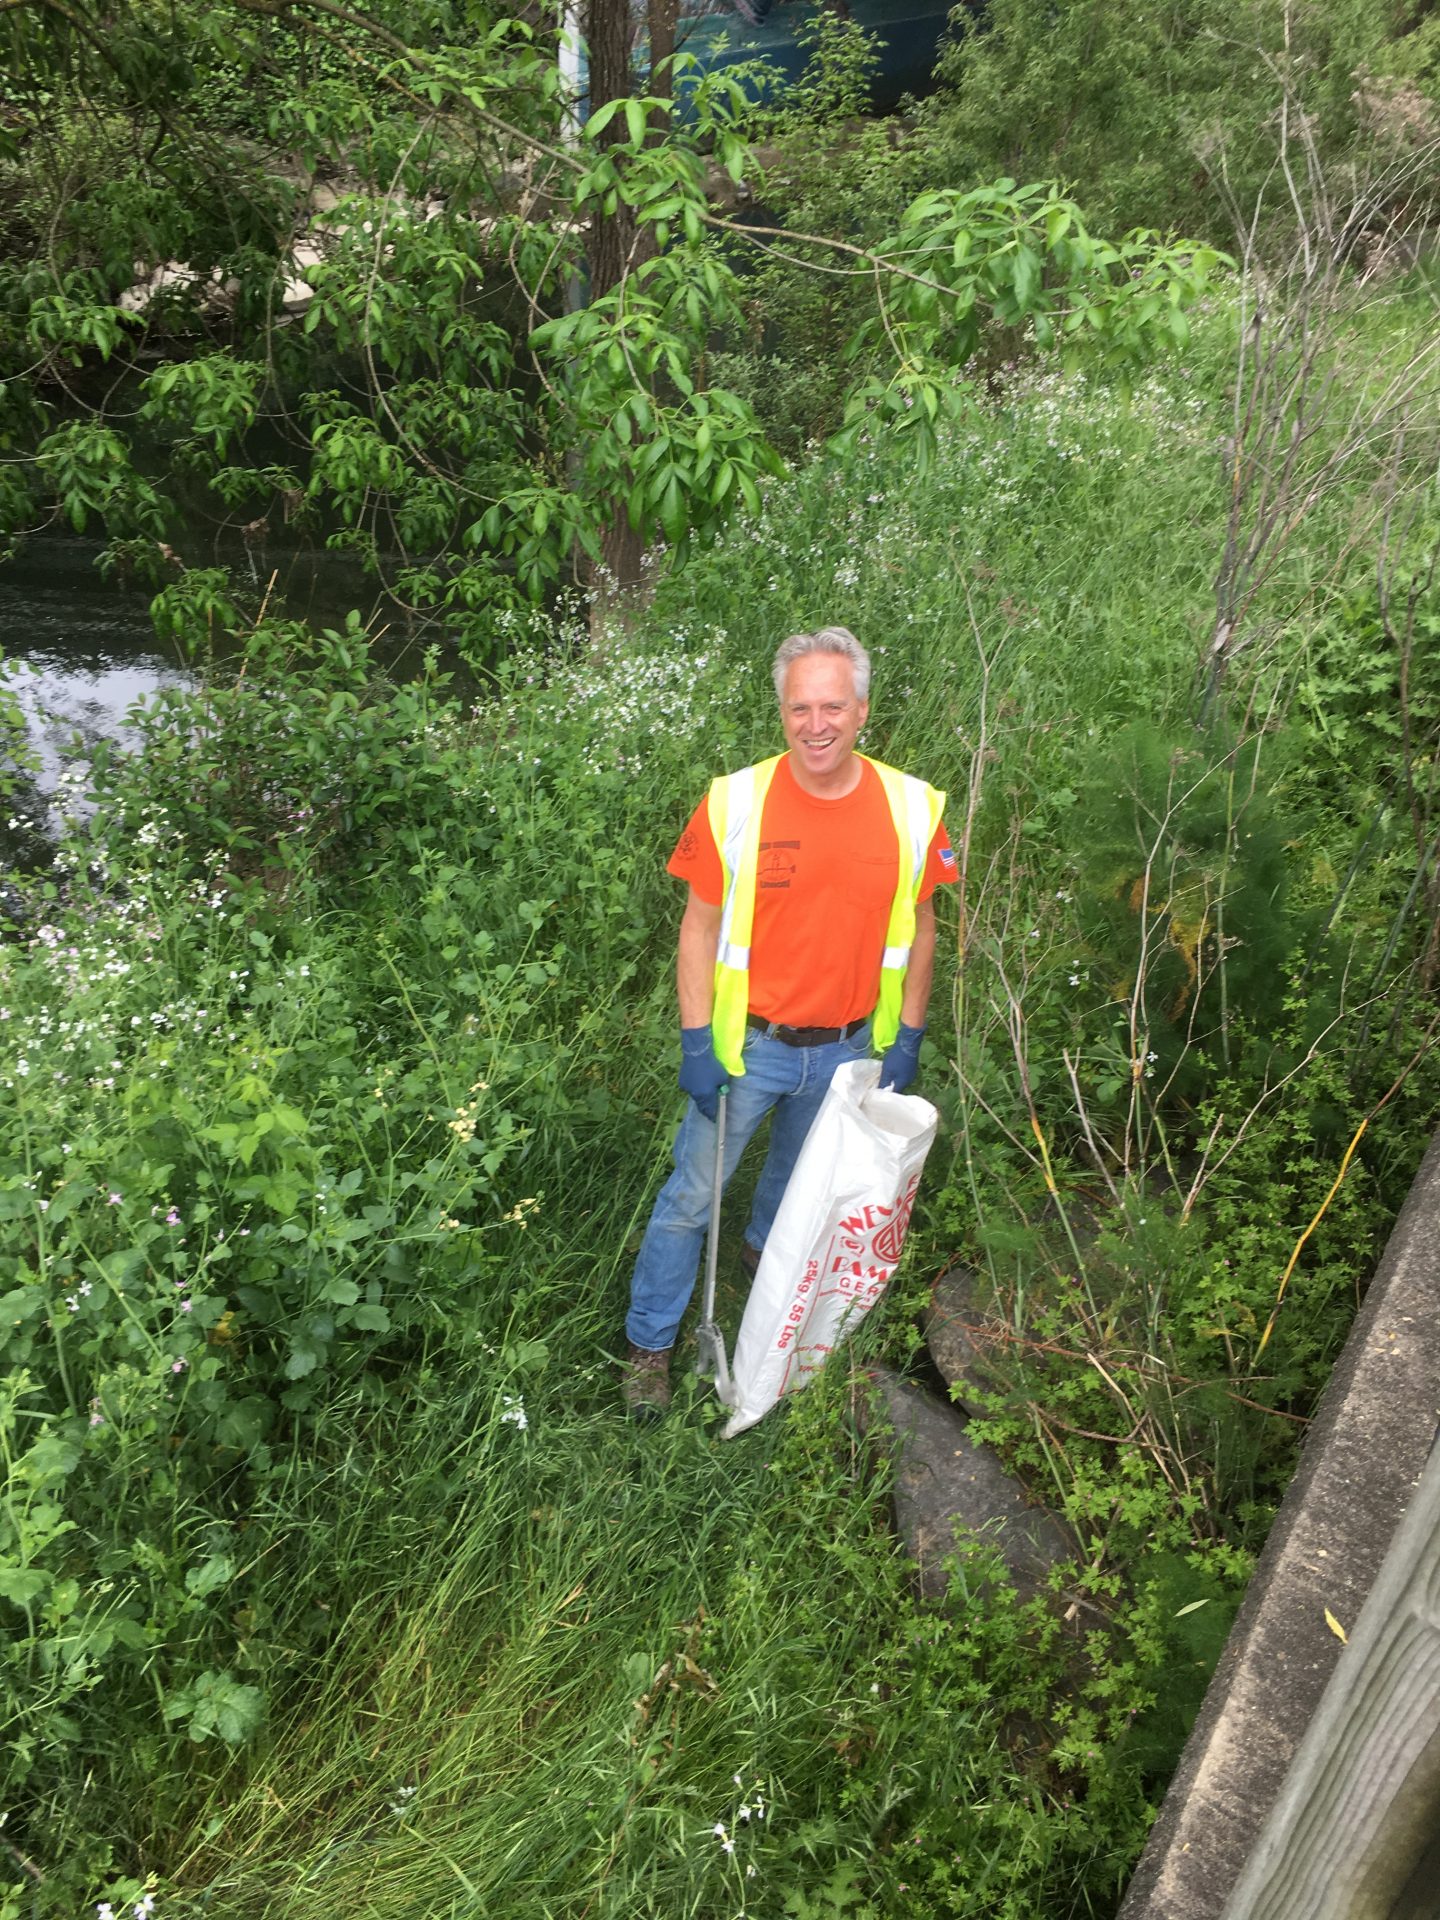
column 776, row 867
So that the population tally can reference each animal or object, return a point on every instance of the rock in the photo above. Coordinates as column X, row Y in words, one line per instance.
column 220, row 294
column 297, row 292
column 325, row 196
column 956, row 1337
column 945, row 1484
column 154, row 281
column 213, row 292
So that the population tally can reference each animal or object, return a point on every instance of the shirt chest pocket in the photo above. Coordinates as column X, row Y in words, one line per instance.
column 870, row 880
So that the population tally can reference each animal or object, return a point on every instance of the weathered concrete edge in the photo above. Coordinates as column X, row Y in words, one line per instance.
column 1359, row 1809
column 1361, row 1461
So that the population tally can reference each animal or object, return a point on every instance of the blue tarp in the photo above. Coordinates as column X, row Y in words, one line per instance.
column 723, row 33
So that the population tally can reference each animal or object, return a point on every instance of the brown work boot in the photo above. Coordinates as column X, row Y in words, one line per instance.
column 645, row 1381
column 749, row 1259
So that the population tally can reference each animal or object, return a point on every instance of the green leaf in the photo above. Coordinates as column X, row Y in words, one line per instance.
column 527, row 1356
column 210, row 1576
column 52, row 1457
column 672, row 511
column 245, row 1423
column 21, row 1303
column 1026, row 277
column 21, row 1585
column 217, row 1703
column 601, row 118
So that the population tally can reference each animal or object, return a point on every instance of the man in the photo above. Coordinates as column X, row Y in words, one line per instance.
column 809, row 918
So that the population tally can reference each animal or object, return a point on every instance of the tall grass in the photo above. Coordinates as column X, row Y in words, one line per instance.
column 583, row 1667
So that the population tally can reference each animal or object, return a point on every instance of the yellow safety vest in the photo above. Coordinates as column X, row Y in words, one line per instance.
column 736, row 803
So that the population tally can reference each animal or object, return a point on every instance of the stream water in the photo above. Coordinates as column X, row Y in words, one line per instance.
column 78, row 652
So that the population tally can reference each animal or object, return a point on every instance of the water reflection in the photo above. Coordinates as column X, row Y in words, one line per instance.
column 77, row 660
column 78, row 652
column 69, row 705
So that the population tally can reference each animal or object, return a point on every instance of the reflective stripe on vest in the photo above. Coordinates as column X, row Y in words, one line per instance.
column 736, row 803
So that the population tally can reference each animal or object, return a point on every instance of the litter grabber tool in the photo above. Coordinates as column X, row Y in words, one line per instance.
column 710, row 1358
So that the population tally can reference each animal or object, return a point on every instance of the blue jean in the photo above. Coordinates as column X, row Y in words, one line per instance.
column 793, row 1081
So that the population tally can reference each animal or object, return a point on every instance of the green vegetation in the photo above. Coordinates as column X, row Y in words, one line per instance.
column 353, row 303
column 1223, row 121
column 336, row 1577
column 1154, row 108
column 338, row 1063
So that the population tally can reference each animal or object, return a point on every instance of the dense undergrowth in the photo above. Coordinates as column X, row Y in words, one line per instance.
column 338, row 1076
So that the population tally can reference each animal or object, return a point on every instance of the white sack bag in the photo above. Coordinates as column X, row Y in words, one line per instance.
column 836, row 1238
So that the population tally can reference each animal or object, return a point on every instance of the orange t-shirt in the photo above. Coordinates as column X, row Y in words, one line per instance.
column 828, row 873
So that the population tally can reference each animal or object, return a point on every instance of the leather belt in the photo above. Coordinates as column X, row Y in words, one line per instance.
column 804, row 1036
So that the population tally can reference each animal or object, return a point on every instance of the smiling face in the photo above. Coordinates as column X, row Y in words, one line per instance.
column 822, row 719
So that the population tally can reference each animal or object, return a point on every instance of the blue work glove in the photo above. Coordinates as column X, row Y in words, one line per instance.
column 902, row 1058
column 701, row 1074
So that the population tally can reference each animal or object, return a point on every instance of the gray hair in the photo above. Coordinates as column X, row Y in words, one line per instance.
column 838, row 640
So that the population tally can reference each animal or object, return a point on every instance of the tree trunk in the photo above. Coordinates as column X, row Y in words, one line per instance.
column 662, row 18
column 611, row 247
column 608, row 36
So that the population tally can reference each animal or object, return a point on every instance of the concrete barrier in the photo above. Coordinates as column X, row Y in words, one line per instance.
column 1362, row 1461
column 1355, row 1831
